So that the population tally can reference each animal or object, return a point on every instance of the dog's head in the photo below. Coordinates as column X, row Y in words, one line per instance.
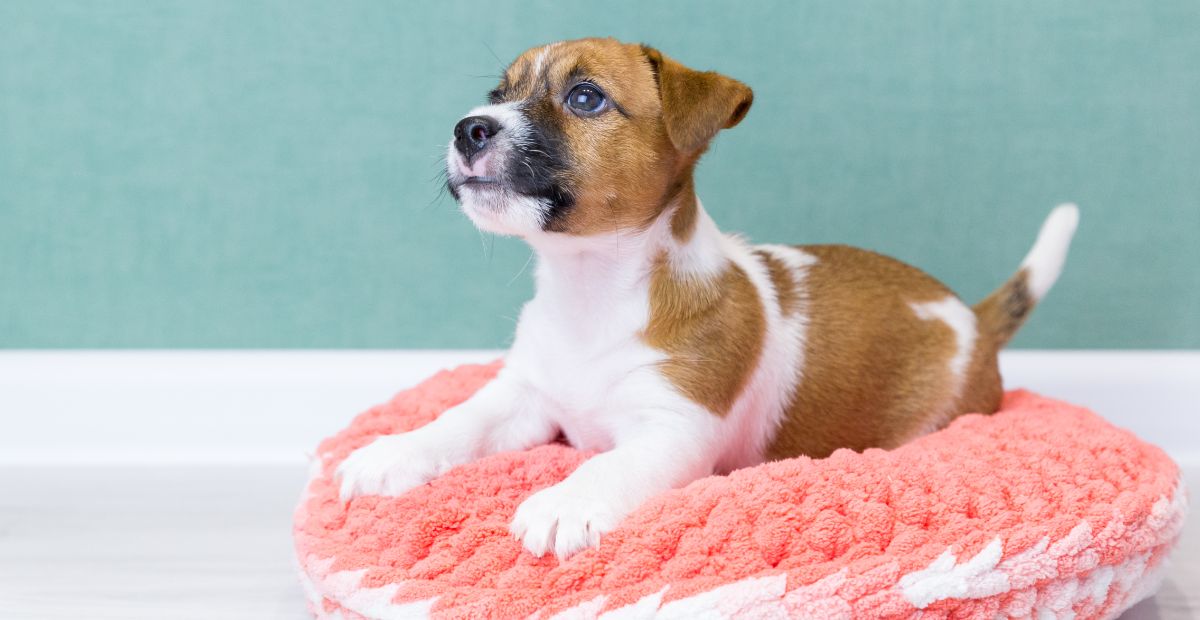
column 587, row 137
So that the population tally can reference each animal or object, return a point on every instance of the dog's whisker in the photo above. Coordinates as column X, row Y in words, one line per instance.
column 523, row 268
column 499, row 62
column 482, row 243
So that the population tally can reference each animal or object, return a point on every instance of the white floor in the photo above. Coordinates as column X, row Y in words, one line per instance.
column 209, row 543
column 134, row 543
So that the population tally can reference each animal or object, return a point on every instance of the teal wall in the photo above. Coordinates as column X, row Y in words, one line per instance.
column 262, row 174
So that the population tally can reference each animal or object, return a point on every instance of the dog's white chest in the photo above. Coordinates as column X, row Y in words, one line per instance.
column 591, row 371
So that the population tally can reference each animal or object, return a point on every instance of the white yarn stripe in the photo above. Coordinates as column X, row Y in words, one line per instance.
column 643, row 609
column 1116, row 587
column 583, row 611
column 945, row 578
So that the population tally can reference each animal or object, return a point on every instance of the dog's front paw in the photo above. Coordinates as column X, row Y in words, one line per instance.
column 560, row 520
column 390, row 465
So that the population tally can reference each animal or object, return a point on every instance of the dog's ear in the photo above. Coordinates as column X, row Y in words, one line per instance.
column 696, row 104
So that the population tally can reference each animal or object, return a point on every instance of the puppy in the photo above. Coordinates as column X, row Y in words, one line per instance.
column 674, row 350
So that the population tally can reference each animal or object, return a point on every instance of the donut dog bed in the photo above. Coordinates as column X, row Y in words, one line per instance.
column 1042, row 509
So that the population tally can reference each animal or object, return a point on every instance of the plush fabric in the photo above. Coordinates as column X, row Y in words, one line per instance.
column 1041, row 509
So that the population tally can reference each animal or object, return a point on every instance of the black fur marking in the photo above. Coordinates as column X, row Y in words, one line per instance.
column 1017, row 303
column 575, row 76
column 541, row 163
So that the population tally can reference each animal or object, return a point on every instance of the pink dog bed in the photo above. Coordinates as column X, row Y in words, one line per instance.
column 1042, row 508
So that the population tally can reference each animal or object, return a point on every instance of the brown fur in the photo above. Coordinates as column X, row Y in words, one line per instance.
column 622, row 161
column 712, row 332
column 873, row 371
column 697, row 104
column 998, row 317
column 683, row 221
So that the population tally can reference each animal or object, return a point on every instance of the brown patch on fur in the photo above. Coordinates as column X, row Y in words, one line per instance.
column 625, row 162
column 712, row 332
column 683, row 220
column 786, row 293
column 873, row 372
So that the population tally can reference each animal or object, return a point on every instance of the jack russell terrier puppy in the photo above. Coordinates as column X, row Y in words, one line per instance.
column 672, row 349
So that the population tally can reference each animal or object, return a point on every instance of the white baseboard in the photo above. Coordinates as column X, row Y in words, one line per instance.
column 175, row 407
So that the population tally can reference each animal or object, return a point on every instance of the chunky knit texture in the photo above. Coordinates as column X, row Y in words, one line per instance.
column 1041, row 509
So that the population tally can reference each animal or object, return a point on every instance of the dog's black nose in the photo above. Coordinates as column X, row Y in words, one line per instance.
column 472, row 133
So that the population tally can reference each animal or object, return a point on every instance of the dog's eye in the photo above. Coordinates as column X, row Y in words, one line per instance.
column 586, row 99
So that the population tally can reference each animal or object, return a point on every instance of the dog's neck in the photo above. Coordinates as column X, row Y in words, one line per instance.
column 589, row 275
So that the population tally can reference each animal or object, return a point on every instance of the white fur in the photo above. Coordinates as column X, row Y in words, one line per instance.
column 1045, row 259
column 579, row 341
column 493, row 208
column 703, row 255
column 504, row 415
column 961, row 319
column 578, row 364
column 539, row 62
column 757, row 414
column 779, row 371
column 507, row 114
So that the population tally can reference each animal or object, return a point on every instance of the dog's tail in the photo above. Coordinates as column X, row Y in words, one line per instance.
column 1001, row 314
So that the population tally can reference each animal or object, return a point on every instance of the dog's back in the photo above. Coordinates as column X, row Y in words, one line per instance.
column 890, row 353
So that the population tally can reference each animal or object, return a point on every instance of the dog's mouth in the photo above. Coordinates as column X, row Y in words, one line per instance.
column 511, row 180
column 477, row 185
